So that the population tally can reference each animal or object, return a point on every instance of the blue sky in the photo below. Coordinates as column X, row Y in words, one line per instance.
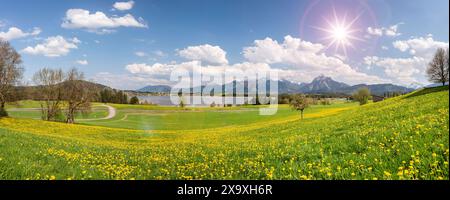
column 138, row 43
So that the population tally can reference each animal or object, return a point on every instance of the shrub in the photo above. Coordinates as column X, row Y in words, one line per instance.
column 362, row 95
column 134, row 100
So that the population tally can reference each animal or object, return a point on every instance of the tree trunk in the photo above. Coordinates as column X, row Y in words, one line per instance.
column 70, row 115
column 301, row 113
column 3, row 112
column 70, row 120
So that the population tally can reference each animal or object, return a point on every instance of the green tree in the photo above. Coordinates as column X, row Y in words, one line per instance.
column 134, row 100
column 362, row 95
column 300, row 102
column 106, row 96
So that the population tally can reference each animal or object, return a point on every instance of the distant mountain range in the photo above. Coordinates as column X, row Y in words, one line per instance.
column 323, row 84
column 155, row 89
column 326, row 85
column 320, row 85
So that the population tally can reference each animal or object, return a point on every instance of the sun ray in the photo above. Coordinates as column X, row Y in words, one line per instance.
column 340, row 31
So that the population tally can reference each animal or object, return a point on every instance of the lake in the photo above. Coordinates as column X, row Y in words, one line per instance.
column 207, row 100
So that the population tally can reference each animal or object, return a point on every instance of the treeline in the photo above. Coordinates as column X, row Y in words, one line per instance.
column 100, row 94
column 113, row 96
column 392, row 94
column 314, row 99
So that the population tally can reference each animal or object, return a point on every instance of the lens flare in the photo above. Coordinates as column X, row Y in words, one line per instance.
column 340, row 32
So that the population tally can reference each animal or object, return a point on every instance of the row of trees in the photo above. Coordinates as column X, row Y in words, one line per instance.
column 314, row 99
column 113, row 96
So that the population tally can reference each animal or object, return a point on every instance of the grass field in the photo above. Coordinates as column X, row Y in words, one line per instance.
column 406, row 137
column 173, row 118
column 98, row 112
column 150, row 117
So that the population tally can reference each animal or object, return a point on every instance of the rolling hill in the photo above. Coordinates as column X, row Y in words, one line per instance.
column 34, row 92
column 402, row 138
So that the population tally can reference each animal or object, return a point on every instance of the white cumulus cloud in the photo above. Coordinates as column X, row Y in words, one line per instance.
column 420, row 46
column 205, row 53
column 16, row 33
column 304, row 60
column 155, row 69
column 408, row 70
column 128, row 5
column 301, row 60
column 401, row 71
column 127, row 81
column 99, row 22
column 53, row 47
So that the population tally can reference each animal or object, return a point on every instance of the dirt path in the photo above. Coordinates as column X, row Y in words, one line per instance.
column 111, row 114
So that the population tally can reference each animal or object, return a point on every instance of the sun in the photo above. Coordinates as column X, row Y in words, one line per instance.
column 340, row 32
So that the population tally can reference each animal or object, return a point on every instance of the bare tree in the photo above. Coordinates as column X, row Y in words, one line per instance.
column 49, row 83
column 77, row 94
column 10, row 73
column 438, row 68
column 447, row 64
column 300, row 102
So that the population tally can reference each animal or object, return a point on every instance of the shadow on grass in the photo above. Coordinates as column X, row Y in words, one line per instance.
column 428, row 91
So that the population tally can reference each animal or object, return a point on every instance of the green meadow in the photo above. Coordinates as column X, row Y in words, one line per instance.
column 174, row 118
column 401, row 138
